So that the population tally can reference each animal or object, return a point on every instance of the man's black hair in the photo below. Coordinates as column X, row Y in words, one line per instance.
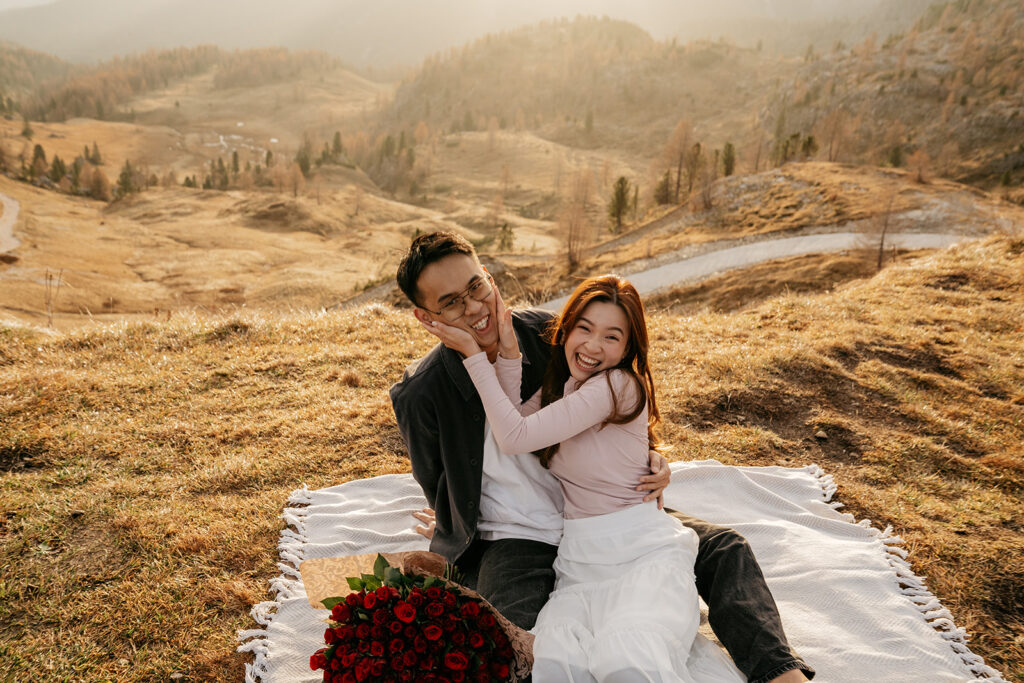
column 423, row 251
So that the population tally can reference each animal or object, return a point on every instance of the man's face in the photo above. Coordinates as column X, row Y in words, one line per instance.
column 449, row 278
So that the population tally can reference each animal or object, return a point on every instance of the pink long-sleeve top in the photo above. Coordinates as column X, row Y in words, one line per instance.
column 598, row 467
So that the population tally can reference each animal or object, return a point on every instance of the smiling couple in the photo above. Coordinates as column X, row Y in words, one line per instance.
column 571, row 543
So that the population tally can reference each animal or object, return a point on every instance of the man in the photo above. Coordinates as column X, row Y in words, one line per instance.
column 498, row 515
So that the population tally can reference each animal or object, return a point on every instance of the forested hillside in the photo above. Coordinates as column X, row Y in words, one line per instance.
column 586, row 82
column 948, row 91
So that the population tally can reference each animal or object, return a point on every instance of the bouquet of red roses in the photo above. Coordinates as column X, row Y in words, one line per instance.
column 398, row 626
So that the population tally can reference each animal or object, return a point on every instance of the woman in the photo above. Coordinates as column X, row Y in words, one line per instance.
column 625, row 604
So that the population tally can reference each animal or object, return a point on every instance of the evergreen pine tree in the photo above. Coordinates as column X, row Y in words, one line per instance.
column 57, row 169
column 76, row 174
column 126, row 180
column 663, row 190
column 336, row 148
column 38, row 165
column 95, row 157
column 234, row 163
column 304, row 159
column 896, row 156
column 728, row 159
column 619, row 203
column 26, row 129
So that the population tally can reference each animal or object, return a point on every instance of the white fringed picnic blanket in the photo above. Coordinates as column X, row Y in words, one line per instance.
column 849, row 601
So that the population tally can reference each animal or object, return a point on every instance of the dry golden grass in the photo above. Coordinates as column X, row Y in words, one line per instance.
column 175, row 250
column 786, row 201
column 145, row 465
column 748, row 287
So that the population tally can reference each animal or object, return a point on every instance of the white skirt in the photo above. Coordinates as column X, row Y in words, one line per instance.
column 625, row 605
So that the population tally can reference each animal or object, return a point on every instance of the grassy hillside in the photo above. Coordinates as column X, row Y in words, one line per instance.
column 797, row 198
column 168, row 251
column 144, row 466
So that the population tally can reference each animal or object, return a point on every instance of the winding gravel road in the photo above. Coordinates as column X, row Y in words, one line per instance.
column 699, row 267
column 8, row 241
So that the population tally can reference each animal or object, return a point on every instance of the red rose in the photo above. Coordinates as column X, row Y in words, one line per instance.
column 380, row 617
column 340, row 612
column 397, row 663
column 410, row 631
column 395, row 627
column 377, row 648
column 348, row 660
column 348, row 677
column 419, row 644
column 362, row 631
column 415, row 597
column 449, row 598
column 433, row 592
column 476, row 640
column 354, row 599
column 345, row 632
column 317, row 660
column 329, row 636
column 487, row 620
column 377, row 632
column 405, row 612
column 335, row 664
column 458, row 676
column 369, row 600
column 432, row 632
column 470, row 609
column 409, row 658
column 500, row 639
column 499, row 670
column 434, row 609
column 459, row 637
column 362, row 669
column 377, row 669
column 456, row 661
column 384, row 593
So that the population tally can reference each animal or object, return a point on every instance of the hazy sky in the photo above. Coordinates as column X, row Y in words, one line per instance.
column 11, row 4
column 401, row 32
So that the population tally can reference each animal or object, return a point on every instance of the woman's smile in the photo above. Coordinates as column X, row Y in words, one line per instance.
column 598, row 341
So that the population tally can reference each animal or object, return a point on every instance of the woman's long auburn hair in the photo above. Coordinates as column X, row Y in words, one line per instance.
column 615, row 290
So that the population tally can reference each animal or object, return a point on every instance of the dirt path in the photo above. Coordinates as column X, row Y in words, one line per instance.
column 8, row 242
column 717, row 261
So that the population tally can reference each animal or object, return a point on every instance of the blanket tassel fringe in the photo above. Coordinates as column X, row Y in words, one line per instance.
column 293, row 538
column 913, row 586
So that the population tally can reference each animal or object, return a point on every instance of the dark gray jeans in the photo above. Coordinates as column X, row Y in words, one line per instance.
column 515, row 575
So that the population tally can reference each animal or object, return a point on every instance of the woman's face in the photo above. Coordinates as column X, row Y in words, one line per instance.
column 598, row 340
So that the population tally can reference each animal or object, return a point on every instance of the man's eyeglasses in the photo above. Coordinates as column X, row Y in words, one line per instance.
column 455, row 307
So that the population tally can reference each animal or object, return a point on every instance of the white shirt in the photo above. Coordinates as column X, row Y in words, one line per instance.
column 518, row 497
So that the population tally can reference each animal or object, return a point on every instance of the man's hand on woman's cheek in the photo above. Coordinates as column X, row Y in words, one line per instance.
column 657, row 480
